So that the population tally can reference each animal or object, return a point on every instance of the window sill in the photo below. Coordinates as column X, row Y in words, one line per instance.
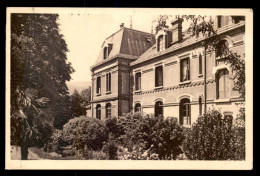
column 108, row 92
column 98, row 94
column 137, row 91
column 222, row 100
column 185, row 82
column 221, row 57
column 159, row 87
column 200, row 75
column 187, row 126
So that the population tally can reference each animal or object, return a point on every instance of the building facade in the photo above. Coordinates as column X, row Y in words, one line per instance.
column 163, row 73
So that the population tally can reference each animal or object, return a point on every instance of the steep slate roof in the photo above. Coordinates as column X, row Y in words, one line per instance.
column 187, row 40
column 127, row 43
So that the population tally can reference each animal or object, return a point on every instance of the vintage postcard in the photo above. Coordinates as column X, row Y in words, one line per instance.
column 129, row 88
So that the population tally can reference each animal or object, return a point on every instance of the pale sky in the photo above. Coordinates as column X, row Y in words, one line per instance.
column 85, row 31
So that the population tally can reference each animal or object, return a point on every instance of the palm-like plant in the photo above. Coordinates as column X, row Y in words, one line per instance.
column 29, row 116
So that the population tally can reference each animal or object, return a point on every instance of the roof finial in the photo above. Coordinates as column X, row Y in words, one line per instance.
column 152, row 26
column 121, row 25
column 130, row 22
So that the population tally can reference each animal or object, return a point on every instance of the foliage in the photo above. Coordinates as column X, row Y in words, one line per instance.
column 212, row 138
column 39, row 62
column 81, row 131
column 238, row 137
column 157, row 136
column 86, row 96
column 115, row 128
column 111, row 148
column 77, row 107
column 237, row 66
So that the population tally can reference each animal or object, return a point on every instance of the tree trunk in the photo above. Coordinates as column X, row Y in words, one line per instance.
column 24, row 150
column 24, row 143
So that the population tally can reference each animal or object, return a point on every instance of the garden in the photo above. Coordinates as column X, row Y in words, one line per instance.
column 135, row 137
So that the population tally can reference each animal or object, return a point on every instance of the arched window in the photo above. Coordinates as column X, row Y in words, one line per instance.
column 158, row 109
column 108, row 110
column 160, row 43
column 223, row 84
column 222, row 48
column 98, row 111
column 138, row 107
column 185, row 112
column 105, row 53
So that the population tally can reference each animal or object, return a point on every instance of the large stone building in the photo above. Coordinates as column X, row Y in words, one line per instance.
column 163, row 73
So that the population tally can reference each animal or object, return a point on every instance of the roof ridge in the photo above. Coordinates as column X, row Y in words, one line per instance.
column 138, row 31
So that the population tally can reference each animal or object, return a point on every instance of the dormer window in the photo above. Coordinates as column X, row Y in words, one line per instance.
column 160, row 43
column 105, row 53
column 237, row 19
column 222, row 49
column 107, row 49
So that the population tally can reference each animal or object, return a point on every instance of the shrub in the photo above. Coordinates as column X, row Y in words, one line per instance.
column 210, row 137
column 238, row 137
column 81, row 131
column 111, row 148
column 114, row 127
column 152, row 135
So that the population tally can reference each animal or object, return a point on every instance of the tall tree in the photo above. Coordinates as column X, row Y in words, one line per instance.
column 78, row 108
column 86, row 96
column 38, row 62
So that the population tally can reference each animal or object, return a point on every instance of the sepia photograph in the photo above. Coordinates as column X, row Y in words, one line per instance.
column 129, row 88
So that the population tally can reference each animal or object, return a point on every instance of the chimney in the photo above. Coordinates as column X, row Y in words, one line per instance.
column 121, row 25
column 176, row 29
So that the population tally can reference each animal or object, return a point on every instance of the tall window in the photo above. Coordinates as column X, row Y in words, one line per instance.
column 219, row 21
column 138, row 81
column 105, row 53
column 222, row 48
column 98, row 111
column 108, row 82
column 185, row 69
column 200, row 105
column 185, row 112
column 158, row 109
column 108, row 110
column 158, row 76
column 138, row 107
column 160, row 43
column 110, row 45
column 200, row 64
column 98, row 91
column 223, row 84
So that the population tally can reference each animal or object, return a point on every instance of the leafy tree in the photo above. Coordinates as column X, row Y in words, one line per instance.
column 39, row 63
column 78, row 108
column 86, row 96
column 213, row 137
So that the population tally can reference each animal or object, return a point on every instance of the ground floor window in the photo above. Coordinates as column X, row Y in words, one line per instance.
column 108, row 110
column 185, row 112
column 138, row 107
column 158, row 109
column 98, row 111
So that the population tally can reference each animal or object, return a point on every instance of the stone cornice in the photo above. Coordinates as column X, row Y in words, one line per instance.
column 192, row 84
column 110, row 99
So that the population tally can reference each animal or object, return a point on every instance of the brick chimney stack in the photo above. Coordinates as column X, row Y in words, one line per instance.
column 176, row 29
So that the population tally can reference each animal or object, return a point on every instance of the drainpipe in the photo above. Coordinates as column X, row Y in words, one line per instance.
column 205, row 78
